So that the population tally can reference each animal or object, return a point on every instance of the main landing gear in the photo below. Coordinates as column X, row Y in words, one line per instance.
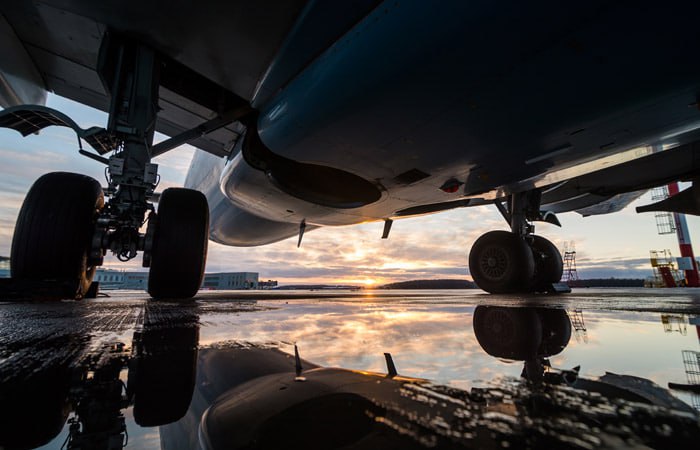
column 68, row 222
column 517, row 261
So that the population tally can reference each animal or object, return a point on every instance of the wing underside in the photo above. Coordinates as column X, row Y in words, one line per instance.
column 218, row 56
column 611, row 189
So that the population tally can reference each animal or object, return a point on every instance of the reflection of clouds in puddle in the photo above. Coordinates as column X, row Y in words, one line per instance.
column 436, row 340
column 431, row 342
column 139, row 437
column 628, row 343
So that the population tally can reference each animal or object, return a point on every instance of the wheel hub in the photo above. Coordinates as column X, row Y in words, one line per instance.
column 494, row 263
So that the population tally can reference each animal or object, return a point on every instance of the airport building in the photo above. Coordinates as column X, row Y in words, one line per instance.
column 230, row 280
column 269, row 284
column 120, row 279
column 4, row 267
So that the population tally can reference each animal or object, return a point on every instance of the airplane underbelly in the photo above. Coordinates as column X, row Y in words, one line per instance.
column 445, row 88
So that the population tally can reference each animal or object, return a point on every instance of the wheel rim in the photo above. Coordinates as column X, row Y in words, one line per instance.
column 494, row 263
column 501, row 326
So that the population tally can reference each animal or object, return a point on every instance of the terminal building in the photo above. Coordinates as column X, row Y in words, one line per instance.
column 269, row 284
column 4, row 267
column 230, row 280
column 120, row 279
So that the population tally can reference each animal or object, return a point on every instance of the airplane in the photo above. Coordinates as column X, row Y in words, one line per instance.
column 324, row 113
column 242, row 395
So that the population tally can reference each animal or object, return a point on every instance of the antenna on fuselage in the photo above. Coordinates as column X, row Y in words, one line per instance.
column 390, row 367
column 297, row 365
column 387, row 228
column 302, row 228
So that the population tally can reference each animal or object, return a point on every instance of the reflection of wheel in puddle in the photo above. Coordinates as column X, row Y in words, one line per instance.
column 511, row 333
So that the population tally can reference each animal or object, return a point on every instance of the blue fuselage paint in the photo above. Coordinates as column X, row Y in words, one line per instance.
column 459, row 82
column 487, row 94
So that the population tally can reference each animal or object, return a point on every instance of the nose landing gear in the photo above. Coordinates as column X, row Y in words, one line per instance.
column 65, row 226
column 179, row 251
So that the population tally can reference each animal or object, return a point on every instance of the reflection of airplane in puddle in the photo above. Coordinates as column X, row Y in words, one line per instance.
column 532, row 335
column 252, row 397
column 691, row 358
column 255, row 397
column 161, row 369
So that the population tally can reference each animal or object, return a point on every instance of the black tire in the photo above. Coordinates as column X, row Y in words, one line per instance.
column 40, row 407
column 511, row 333
column 556, row 331
column 180, row 241
column 163, row 368
column 549, row 266
column 501, row 262
column 54, row 231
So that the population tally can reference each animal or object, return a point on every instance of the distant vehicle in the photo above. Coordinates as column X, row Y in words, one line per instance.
column 319, row 113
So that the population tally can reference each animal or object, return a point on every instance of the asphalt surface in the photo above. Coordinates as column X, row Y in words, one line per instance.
column 62, row 349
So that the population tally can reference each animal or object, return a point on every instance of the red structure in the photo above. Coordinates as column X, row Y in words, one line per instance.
column 691, row 271
column 667, row 276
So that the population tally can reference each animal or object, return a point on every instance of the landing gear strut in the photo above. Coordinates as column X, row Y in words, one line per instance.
column 65, row 226
column 503, row 262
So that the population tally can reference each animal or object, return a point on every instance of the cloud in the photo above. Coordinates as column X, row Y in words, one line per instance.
column 425, row 247
column 430, row 341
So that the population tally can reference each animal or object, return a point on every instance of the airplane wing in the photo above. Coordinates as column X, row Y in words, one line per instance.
column 601, row 186
column 220, row 56
column 610, row 189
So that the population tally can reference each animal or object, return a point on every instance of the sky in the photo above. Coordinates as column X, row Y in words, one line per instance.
column 429, row 247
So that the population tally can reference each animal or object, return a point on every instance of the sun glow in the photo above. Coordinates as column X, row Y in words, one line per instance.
column 364, row 281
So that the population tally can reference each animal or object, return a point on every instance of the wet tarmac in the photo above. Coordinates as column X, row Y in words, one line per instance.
column 589, row 369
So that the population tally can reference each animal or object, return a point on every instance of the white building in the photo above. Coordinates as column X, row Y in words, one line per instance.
column 120, row 279
column 230, row 280
column 4, row 267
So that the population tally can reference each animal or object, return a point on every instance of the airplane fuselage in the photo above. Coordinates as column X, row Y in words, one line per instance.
column 413, row 98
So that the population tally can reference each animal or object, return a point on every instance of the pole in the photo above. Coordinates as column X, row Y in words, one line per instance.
column 691, row 276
